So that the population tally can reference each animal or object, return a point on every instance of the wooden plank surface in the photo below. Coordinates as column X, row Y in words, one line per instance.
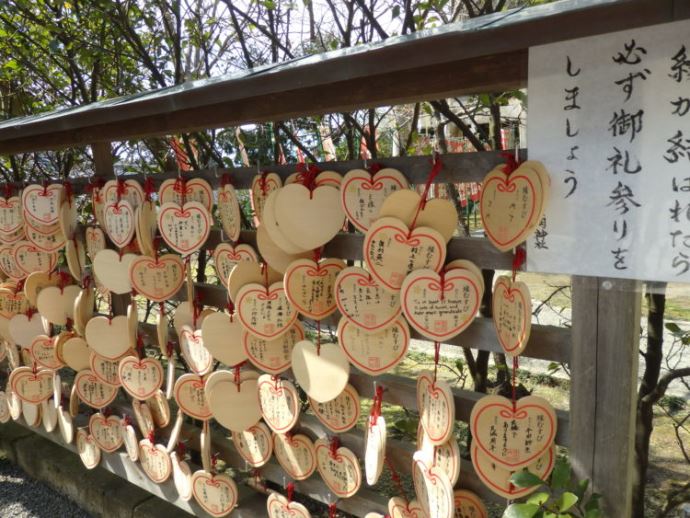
column 457, row 167
column 583, row 383
column 546, row 342
column 491, row 52
column 617, row 360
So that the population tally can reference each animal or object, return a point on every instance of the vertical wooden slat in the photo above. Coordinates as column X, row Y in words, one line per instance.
column 583, row 387
column 618, row 335
column 606, row 332
column 103, row 166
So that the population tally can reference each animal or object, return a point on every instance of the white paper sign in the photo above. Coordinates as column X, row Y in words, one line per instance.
column 609, row 116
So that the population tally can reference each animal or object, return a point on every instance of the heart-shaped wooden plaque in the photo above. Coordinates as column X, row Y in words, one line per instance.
column 512, row 314
column 440, row 307
column 524, row 432
column 392, row 251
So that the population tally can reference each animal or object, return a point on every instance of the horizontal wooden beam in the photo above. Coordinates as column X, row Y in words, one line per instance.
column 457, row 168
column 546, row 342
column 479, row 55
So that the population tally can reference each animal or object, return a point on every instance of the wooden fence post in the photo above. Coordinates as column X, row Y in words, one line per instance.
column 103, row 165
column 604, row 364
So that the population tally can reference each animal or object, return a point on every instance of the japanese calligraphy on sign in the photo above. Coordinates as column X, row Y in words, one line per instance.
column 609, row 116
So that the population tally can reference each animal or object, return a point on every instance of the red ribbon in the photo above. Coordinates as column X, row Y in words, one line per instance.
column 518, row 260
column 151, row 437
column 395, row 477
column 307, row 175
column 140, row 346
column 332, row 510
column 511, row 162
column 514, row 383
column 69, row 323
column 290, row 491
column 436, row 167
column 121, row 188
column 225, row 180
column 68, row 191
column 376, row 406
column 214, row 461
column 181, row 449
column 335, row 444
column 375, row 168
column 8, row 190
column 149, row 188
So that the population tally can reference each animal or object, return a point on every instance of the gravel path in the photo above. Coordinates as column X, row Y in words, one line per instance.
column 23, row 497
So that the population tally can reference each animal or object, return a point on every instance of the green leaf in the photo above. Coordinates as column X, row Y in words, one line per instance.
column 673, row 327
column 525, row 479
column 561, row 473
column 395, row 12
column 538, row 498
column 593, row 513
column 521, row 511
column 582, row 486
column 593, row 502
column 567, row 500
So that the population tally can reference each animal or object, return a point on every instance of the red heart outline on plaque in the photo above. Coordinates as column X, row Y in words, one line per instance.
column 390, row 248
column 43, row 352
column 185, row 229
column 331, row 412
column 220, row 492
column 354, row 289
column 331, row 464
column 500, row 192
column 189, row 392
column 49, row 239
column 42, row 204
column 88, row 449
column 119, row 222
column 279, row 403
column 157, row 279
column 229, row 211
column 469, row 503
column 432, row 486
column 495, row 411
column 155, row 461
column 512, row 304
column 95, row 241
column 130, row 191
column 29, row 258
column 398, row 507
column 141, row 379
column 87, row 388
column 195, row 354
column 298, row 447
column 11, row 218
column 262, row 185
column 440, row 306
column 309, row 286
column 430, row 394
column 195, row 189
column 497, row 478
column 278, row 506
column 225, row 257
column 272, row 356
column 257, row 299
column 374, row 353
column 362, row 194
column 262, row 444
column 31, row 387
column 106, row 431
column 105, row 369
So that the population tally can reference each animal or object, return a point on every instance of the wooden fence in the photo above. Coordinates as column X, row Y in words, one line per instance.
column 481, row 56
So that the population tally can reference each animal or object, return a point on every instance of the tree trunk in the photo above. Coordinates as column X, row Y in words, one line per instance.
column 656, row 302
column 482, row 363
